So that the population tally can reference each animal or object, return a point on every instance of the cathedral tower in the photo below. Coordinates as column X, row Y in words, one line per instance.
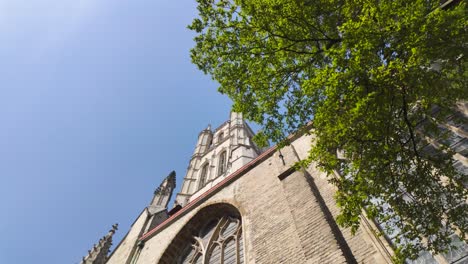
column 217, row 154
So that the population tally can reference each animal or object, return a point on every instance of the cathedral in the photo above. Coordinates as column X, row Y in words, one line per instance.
column 239, row 203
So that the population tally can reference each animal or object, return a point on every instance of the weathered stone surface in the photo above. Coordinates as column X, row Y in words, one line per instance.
column 287, row 217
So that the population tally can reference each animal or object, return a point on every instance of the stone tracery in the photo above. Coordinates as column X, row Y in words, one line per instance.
column 219, row 242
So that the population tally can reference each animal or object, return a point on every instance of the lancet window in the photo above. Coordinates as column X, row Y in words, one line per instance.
column 203, row 176
column 219, row 242
column 222, row 163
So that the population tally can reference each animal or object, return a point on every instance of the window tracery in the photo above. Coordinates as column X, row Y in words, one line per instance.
column 219, row 242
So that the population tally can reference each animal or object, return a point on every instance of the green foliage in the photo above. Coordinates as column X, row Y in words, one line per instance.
column 363, row 72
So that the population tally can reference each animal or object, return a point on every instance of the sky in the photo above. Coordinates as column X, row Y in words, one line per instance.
column 98, row 103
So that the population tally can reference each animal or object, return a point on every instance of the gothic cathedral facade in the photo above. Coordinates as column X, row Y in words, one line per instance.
column 242, row 204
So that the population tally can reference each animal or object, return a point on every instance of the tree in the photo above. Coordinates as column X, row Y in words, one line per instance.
column 368, row 74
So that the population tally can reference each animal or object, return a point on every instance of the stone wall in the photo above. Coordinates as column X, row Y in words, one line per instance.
column 126, row 247
column 287, row 216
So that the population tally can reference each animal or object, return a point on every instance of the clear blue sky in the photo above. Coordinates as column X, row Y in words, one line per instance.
column 98, row 102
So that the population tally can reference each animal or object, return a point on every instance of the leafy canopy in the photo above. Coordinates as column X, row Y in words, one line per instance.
column 368, row 73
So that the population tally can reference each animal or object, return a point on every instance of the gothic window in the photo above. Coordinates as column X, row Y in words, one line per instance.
column 220, row 137
column 222, row 163
column 457, row 255
column 203, row 176
column 219, row 242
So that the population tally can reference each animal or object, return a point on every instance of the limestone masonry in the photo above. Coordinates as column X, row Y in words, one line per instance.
column 241, row 204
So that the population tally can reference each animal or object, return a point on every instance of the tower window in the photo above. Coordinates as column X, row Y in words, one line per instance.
column 203, row 176
column 222, row 163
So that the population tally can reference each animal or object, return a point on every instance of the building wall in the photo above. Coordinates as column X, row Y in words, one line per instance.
column 287, row 216
column 123, row 251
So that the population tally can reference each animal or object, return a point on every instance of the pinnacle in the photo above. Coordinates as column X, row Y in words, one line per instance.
column 98, row 253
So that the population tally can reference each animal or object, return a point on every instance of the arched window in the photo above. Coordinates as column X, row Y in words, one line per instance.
column 219, row 242
column 222, row 163
column 213, row 235
column 203, row 176
column 220, row 137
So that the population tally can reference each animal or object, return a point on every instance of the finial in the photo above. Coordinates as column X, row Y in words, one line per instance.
column 114, row 228
column 172, row 174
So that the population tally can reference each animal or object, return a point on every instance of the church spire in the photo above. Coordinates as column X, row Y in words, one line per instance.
column 98, row 254
column 157, row 209
column 162, row 194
